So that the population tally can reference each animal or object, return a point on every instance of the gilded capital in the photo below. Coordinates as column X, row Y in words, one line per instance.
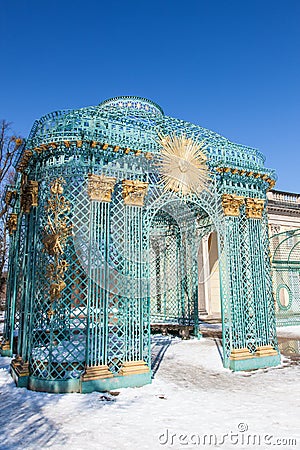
column 100, row 187
column 254, row 208
column 231, row 204
column 12, row 223
column 134, row 192
column 9, row 196
column 29, row 196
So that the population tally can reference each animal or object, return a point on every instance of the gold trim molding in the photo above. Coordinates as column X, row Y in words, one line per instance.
column 23, row 163
column 254, row 208
column 134, row 192
column 100, row 187
column 248, row 173
column 231, row 204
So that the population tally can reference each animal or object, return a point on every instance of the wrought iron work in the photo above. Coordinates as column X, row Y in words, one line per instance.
column 99, row 248
column 285, row 257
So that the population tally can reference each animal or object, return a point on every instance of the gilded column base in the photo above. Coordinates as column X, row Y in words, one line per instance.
column 5, row 348
column 20, row 367
column 96, row 373
column 5, row 345
column 240, row 353
column 133, row 368
column 242, row 359
column 265, row 350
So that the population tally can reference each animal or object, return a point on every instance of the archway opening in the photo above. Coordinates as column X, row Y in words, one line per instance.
column 183, row 268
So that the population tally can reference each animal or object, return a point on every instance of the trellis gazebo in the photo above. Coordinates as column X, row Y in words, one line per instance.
column 104, row 240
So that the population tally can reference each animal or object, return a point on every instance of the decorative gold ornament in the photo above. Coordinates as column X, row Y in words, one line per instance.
column 29, row 196
column 12, row 223
column 100, row 187
column 231, row 204
column 134, row 192
column 182, row 164
column 254, row 208
column 57, row 232
column 18, row 141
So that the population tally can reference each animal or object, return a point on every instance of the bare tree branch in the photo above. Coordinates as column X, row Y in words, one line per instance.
column 9, row 145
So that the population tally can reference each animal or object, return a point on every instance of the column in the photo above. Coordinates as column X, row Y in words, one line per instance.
column 29, row 204
column 248, row 319
column 232, row 279
column 13, row 225
column 100, row 188
column 133, row 193
column 266, row 341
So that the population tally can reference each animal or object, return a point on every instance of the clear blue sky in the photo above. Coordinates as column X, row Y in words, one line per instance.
column 230, row 66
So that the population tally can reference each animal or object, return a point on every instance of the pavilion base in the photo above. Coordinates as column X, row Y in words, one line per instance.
column 19, row 372
column 4, row 352
column 265, row 356
column 54, row 386
column 78, row 385
column 116, row 382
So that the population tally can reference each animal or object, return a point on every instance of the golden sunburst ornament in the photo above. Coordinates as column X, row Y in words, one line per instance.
column 182, row 164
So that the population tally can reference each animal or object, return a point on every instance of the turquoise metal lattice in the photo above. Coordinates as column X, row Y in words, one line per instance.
column 85, row 307
column 285, row 257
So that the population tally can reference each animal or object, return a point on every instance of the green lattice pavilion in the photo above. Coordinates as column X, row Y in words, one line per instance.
column 101, row 247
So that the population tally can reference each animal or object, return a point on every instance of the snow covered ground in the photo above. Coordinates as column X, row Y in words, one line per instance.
column 193, row 402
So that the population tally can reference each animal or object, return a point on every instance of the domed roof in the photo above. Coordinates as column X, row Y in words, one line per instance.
column 128, row 102
column 135, row 123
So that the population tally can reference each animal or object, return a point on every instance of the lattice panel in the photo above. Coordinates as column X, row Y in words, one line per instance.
column 19, row 277
column 286, row 297
column 15, row 282
column 285, row 257
column 59, row 340
column 167, row 302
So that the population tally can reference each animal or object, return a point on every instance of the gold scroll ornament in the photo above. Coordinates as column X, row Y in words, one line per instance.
column 231, row 204
column 134, row 192
column 100, row 187
column 57, row 232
